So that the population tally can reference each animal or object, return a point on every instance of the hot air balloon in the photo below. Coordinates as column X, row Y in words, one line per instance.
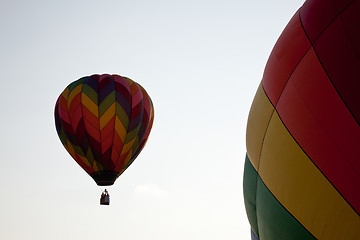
column 302, row 168
column 104, row 121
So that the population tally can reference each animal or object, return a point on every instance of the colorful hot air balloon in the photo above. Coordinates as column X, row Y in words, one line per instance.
column 104, row 121
column 302, row 169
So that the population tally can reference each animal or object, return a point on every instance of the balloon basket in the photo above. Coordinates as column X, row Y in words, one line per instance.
column 105, row 198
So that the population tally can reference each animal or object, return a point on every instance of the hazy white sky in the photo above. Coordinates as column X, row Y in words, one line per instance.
column 200, row 61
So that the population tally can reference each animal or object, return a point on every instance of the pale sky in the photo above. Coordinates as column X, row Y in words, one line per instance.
column 201, row 62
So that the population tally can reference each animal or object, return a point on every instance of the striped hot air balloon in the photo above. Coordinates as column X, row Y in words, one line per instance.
column 104, row 121
column 302, row 169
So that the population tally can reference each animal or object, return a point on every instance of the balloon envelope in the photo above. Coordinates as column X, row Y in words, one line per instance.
column 104, row 121
column 302, row 169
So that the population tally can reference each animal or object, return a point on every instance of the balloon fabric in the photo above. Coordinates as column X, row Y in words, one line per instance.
column 302, row 168
column 104, row 121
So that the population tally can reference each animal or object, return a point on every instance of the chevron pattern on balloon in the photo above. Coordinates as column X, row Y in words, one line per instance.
column 104, row 121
